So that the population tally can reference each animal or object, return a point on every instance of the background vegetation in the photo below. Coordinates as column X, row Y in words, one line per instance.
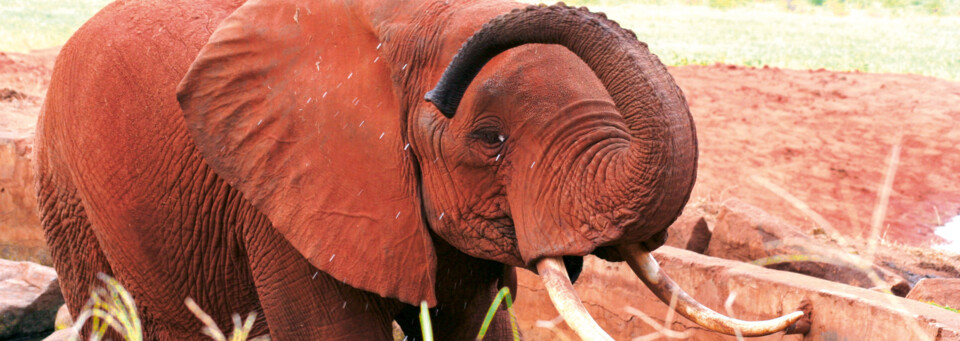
column 36, row 24
column 899, row 36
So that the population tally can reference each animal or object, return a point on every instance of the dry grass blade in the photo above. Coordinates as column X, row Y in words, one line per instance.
column 661, row 330
column 210, row 327
column 241, row 328
column 110, row 307
column 883, row 200
column 728, row 306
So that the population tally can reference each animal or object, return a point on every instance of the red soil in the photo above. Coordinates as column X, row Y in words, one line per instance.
column 826, row 139
column 23, row 83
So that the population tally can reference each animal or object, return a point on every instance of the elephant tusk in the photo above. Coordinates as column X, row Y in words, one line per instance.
column 554, row 276
column 661, row 285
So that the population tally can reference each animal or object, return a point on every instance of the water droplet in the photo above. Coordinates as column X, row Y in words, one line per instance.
column 331, row 257
column 378, row 45
column 533, row 164
column 315, row 275
column 350, row 75
column 381, row 135
column 376, row 59
column 498, row 158
column 404, row 67
column 407, row 146
column 441, row 215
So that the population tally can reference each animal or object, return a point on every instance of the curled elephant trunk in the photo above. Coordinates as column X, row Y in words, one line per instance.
column 568, row 303
column 653, row 178
column 648, row 180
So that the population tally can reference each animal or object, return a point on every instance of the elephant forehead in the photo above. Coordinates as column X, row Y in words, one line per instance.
column 539, row 74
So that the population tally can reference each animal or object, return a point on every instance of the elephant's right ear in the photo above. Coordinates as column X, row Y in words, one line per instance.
column 291, row 105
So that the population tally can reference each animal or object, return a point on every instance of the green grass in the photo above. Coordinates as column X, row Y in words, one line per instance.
column 943, row 306
column 895, row 36
column 762, row 34
column 503, row 297
column 35, row 24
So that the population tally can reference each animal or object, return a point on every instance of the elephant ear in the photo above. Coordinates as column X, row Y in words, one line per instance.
column 291, row 105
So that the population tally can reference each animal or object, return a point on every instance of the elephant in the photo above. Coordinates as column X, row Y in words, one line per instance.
column 333, row 165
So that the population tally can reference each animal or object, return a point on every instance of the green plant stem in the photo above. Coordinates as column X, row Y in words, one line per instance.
column 425, row 324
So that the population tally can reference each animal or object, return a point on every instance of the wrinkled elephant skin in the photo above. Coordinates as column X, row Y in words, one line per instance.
column 279, row 157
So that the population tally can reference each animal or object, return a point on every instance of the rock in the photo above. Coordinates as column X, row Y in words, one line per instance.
column 839, row 311
column 747, row 233
column 29, row 298
column 9, row 95
column 23, row 81
column 689, row 232
column 60, row 335
column 21, row 237
column 942, row 291
column 64, row 320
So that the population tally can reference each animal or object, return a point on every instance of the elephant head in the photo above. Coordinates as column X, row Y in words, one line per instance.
column 552, row 132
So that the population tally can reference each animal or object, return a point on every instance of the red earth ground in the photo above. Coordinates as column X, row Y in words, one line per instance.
column 825, row 138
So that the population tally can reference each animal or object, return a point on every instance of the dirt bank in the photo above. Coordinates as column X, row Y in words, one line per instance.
column 825, row 138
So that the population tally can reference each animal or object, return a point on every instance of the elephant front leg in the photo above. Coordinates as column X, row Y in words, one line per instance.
column 302, row 303
column 466, row 287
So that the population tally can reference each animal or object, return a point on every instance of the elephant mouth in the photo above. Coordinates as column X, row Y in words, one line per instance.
column 556, row 279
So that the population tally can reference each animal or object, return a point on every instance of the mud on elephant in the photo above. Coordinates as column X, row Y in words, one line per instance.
column 333, row 164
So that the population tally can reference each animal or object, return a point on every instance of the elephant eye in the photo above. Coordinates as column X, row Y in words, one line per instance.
column 490, row 137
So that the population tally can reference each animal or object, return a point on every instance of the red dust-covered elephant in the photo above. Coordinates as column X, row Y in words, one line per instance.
column 333, row 164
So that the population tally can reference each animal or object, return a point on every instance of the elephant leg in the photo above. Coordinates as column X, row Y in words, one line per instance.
column 76, row 253
column 466, row 287
column 459, row 325
column 302, row 303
